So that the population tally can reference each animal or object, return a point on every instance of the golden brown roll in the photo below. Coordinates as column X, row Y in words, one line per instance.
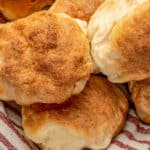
column 120, row 39
column 14, row 9
column 90, row 119
column 43, row 59
column 81, row 9
column 140, row 91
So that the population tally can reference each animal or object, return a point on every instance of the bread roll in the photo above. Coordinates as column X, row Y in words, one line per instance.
column 81, row 9
column 140, row 91
column 120, row 35
column 90, row 119
column 43, row 59
column 14, row 9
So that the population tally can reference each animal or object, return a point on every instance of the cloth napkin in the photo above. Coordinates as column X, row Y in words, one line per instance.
column 134, row 136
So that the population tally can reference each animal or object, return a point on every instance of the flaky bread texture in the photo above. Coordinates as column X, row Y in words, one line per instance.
column 14, row 9
column 43, row 59
column 90, row 119
column 140, row 91
column 120, row 35
column 81, row 9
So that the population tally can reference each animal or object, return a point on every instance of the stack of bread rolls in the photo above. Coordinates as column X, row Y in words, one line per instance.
column 119, row 32
column 61, row 64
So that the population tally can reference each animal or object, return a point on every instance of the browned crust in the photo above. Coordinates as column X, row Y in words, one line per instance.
column 140, row 91
column 82, row 9
column 131, row 36
column 14, row 9
column 100, row 108
column 43, row 57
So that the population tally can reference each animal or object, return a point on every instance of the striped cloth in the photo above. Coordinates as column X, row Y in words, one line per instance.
column 135, row 135
column 11, row 132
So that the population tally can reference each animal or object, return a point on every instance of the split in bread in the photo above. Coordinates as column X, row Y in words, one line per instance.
column 3, row 19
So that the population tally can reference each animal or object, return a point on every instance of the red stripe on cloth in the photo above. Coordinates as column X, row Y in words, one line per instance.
column 130, row 136
column 122, row 145
column 10, row 125
column 18, row 126
column 17, row 112
column 6, row 142
column 135, row 121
